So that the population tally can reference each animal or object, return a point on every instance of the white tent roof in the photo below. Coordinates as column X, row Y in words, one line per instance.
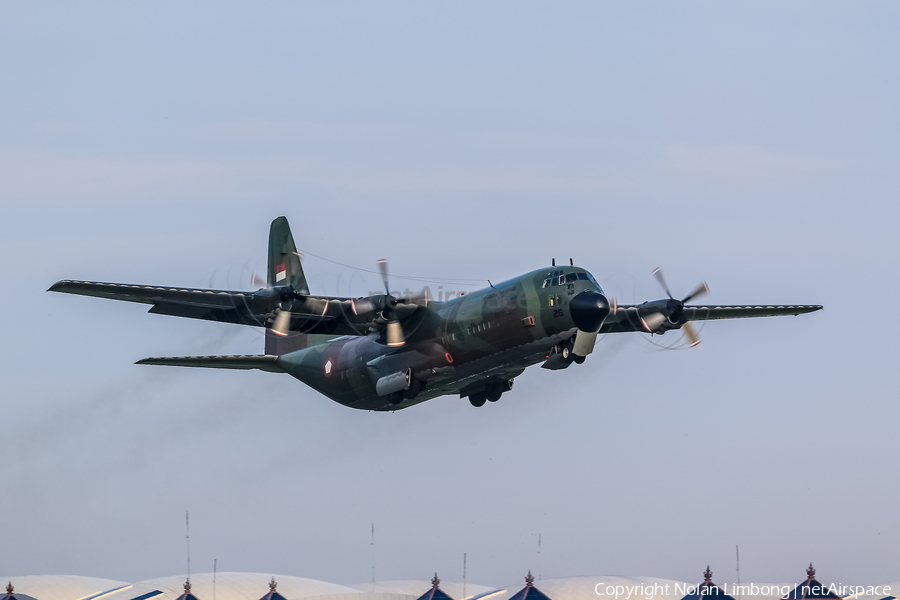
column 417, row 587
column 230, row 586
column 584, row 588
column 61, row 587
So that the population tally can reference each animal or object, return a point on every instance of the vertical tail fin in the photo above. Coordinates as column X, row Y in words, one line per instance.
column 285, row 270
column 284, row 261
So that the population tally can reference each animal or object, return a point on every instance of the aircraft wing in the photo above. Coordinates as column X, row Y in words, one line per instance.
column 628, row 317
column 212, row 305
column 149, row 294
column 244, row 308
column 712, row 312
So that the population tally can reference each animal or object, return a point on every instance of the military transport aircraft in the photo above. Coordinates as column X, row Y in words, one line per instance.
column 383, row 352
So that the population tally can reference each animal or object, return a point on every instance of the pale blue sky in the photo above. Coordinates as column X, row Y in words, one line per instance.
column 753, row 145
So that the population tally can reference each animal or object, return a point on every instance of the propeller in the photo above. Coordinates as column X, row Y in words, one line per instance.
column 674, row 309
column 395, row 337
column 375, row 311
column 282, row 324
column 394, row 309
column 280, row 296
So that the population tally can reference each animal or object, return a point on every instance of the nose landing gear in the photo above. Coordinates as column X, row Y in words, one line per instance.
column 561, row 356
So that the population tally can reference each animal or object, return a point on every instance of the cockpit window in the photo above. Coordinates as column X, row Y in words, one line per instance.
column 583, row 276
column 571, row 277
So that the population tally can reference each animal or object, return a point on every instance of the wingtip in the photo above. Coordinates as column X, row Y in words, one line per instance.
column 56, row 286
column 153, row 360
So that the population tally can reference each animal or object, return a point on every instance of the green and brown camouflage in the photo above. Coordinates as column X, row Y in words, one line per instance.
column 474, row 344
column 382, row 352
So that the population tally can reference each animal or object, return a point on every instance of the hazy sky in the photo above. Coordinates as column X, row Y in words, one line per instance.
column 750, row 144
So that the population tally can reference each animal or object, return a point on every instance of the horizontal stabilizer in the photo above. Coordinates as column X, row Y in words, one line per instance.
column 263, row 362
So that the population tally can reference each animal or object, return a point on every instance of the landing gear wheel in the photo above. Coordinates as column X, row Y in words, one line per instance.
column 566, row 353
column 494, row 395
column 477, row 400
column 415, row 386
column 579, row 359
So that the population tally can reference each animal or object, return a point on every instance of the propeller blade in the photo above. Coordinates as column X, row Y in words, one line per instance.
column 700, row 290
column 258, row 282
column 613, row 306
column 420, row 299
column 691, row 334
column 383, row 267
column 657, row 272
column 653, row 321
column 282, row 324
column 394, row 334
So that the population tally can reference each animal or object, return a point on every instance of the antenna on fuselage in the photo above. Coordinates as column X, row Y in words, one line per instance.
column 571, row 264
column 553, row 263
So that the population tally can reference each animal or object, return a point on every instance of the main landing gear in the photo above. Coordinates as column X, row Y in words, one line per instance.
column 491, row 393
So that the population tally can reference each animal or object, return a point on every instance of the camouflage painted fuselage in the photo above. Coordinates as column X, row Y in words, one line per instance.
column 461, row 346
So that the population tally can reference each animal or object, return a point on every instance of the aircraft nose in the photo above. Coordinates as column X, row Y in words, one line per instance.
column 588, row 310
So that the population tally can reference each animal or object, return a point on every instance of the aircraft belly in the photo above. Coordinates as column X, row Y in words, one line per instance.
column 507, row 363
column 517, row 357
column 333, row 369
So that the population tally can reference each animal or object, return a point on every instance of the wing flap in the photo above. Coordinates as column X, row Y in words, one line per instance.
column 263, row 362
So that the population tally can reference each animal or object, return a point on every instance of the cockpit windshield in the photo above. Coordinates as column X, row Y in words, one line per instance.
column 561, row 277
